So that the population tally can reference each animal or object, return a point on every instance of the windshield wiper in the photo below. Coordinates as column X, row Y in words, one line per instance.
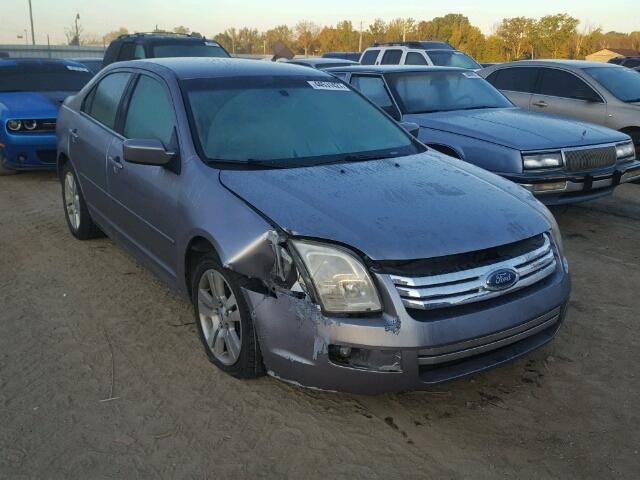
column 251, row 163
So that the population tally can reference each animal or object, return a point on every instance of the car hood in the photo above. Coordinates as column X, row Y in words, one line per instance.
column 413, row 207
column 517, row 128
column 41, row 104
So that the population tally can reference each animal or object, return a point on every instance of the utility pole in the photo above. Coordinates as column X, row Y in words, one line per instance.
column 360, row 41
column 33, row 35
column 26, row 38
column 77, row 30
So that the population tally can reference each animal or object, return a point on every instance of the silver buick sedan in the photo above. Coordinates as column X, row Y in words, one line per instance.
column 601, row 93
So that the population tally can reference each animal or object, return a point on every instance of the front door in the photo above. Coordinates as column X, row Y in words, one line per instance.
column 562, row 93
column 144, row 197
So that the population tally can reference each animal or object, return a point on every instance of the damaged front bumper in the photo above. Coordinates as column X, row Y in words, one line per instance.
column 401, row 349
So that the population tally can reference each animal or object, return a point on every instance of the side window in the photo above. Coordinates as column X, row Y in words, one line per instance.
column 126, row 51
column 391, row 57
column 519, row 79
column 104, row 99
column 150, row 112
column 370, row 57
column 557, row 83
column 633, row 63
column 139, row 52
column 415, row 58
column 374, row 89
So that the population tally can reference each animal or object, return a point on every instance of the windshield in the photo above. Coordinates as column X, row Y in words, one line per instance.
column 43, row 78
column 623, row 83
column 452, row 58
column 189, row 50
column 289, row 120
column 425, row 92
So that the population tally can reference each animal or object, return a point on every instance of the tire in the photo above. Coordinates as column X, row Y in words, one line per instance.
column 79, row 220
column 224, row 323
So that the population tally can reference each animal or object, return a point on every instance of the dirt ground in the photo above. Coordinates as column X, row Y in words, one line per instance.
column 82, row 322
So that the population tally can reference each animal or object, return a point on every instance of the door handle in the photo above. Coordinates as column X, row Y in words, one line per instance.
column 116, row 163
column 541, row 104
column 73, row 133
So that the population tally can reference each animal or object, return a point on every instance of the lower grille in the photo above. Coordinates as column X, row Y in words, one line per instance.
column 473, row 285
column 47, row 156
column 590, row 158
column 476, row 346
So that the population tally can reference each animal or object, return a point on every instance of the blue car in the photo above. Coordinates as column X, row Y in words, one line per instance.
column 31, row 92
column 460, row 114
column 317, row 240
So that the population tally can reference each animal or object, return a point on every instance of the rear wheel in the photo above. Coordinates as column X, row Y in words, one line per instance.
column 76, row 212
column 224, row 323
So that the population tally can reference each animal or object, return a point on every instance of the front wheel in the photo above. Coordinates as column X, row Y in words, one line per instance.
column 76, row 212
column 224, row 323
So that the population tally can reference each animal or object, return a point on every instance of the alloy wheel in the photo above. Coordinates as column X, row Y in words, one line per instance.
column 72, row 200
column 219, row 317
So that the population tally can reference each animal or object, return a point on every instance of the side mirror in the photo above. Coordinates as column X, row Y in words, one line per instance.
column 146, row 152
column 412, row 128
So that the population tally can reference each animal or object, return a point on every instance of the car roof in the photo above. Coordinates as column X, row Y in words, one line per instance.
column 394, row 69
column 149, row 38
column 577, row 64
column 186, row 68
column 321, row 61
column 27, row 62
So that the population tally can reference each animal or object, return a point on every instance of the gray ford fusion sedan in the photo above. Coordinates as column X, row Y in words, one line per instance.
column 317, row 240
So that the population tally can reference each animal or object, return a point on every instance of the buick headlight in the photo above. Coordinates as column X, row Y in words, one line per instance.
column 533, row 161
column 339, row 278
column 14, row 125
column 625, row 151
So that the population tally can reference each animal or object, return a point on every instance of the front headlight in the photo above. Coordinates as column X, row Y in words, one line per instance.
column 14, row 125
column 532, row 161
column 341, row 281
column 625, row 151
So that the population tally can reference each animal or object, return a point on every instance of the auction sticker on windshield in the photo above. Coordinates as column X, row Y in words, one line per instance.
column 320, row 85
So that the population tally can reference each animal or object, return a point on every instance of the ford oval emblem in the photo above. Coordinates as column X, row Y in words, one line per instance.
column 501, row 279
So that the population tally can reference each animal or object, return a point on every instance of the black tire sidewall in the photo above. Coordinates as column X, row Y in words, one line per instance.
column 249, row 364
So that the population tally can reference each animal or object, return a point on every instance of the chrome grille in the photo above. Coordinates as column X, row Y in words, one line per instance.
column 590, row 158
column 468, row 286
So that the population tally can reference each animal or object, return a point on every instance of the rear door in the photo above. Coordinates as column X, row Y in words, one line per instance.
column 91, row 136
column 144, row 197
column 516, row 83
column 561, row 92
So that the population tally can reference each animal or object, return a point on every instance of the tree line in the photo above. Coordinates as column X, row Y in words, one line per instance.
column 552, row 36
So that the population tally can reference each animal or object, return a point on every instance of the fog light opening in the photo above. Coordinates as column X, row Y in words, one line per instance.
column 22, row 158
column 366, row 359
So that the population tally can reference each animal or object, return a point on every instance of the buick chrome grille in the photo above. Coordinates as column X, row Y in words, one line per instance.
column 468, row 286
column 590, row 158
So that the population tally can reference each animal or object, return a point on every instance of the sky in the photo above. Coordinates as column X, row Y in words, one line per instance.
column 209, row 17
